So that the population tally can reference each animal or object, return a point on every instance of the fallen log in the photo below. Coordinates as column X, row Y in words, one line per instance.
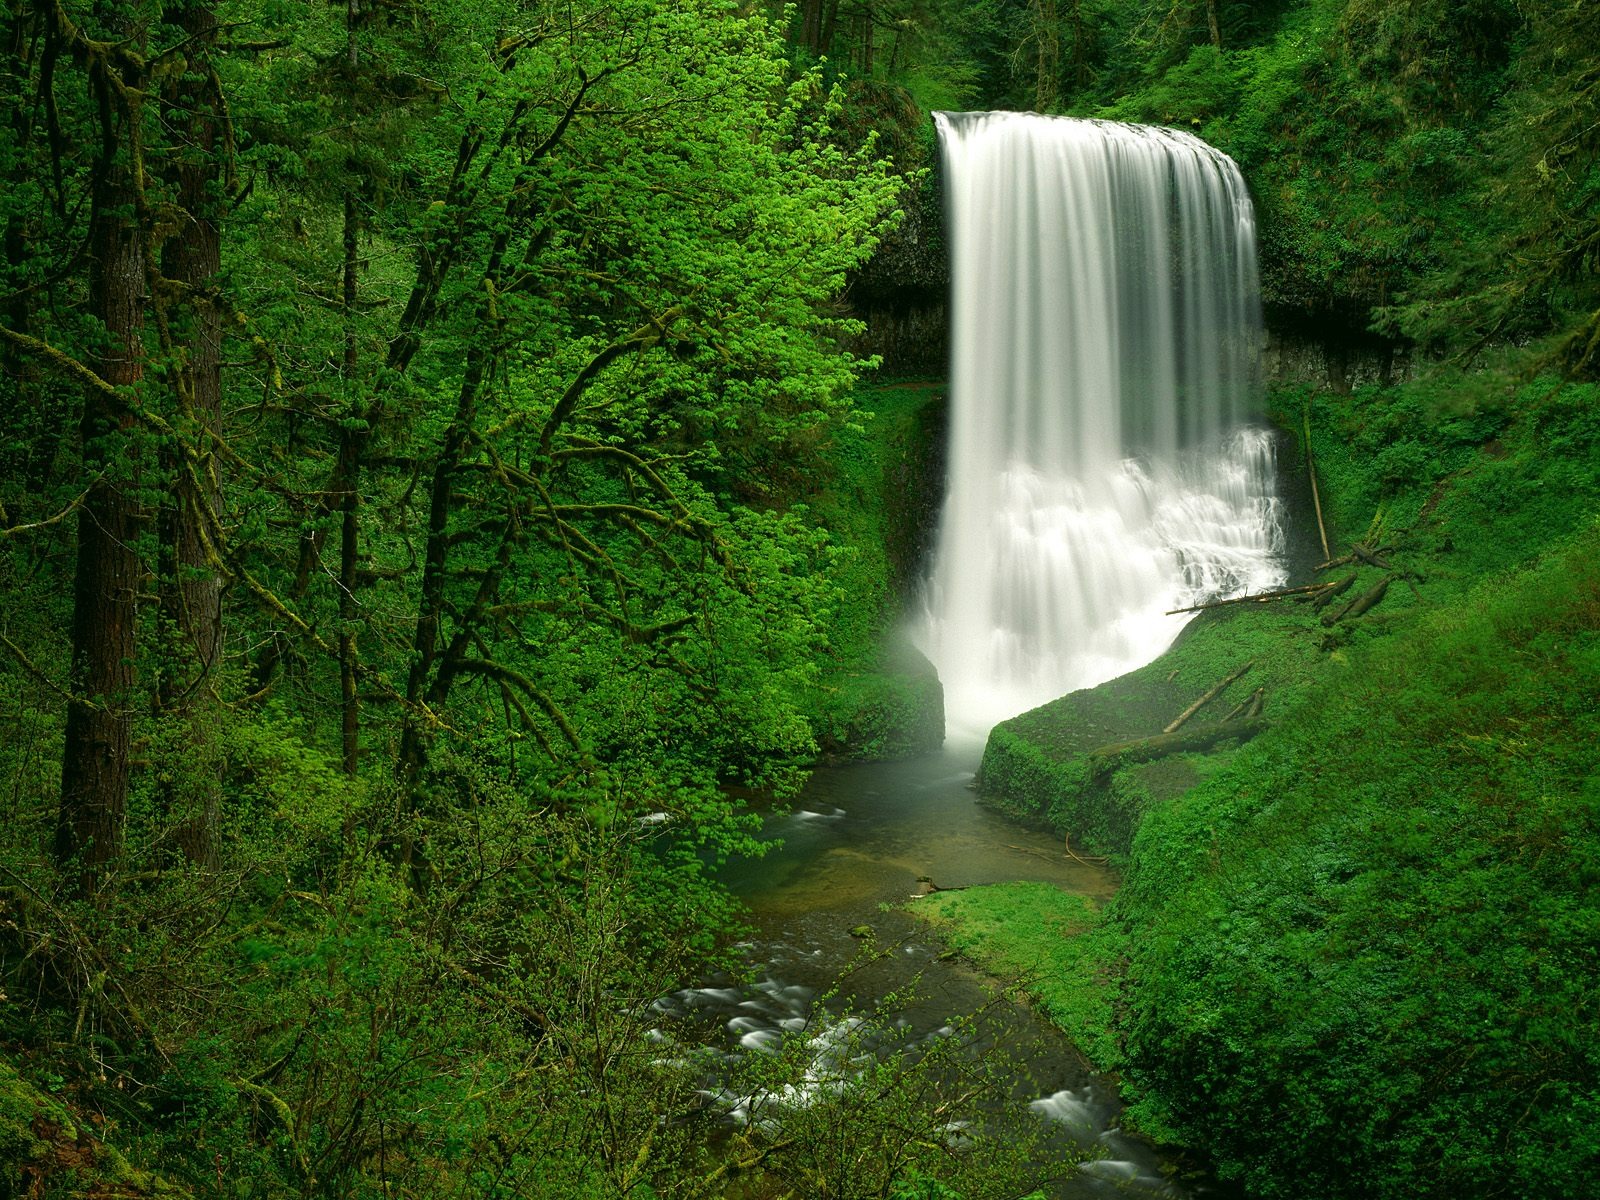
column 1337, row 588
column 1196, row 737
column 1212, row 693
column 1250, row 706
column 1370, row 598
column 1259, row 598
column 1360, row 604
column 1371, row 557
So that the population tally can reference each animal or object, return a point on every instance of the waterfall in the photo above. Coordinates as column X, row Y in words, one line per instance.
column 1106, row 338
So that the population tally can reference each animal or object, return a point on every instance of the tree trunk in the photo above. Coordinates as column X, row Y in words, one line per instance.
column 1080, row 47
column 828, row 23
column 1047, row 57
column 95, row 760
column 191, row 593
column 352, row 439
column 811, row 25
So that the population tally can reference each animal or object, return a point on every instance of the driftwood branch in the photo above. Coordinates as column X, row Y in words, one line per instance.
column 1212, row 693
column 1258, row 598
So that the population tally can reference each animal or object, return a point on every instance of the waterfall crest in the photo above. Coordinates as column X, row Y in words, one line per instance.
column 1106, row 339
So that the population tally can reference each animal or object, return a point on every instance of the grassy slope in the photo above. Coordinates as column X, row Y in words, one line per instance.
column 1359, row 950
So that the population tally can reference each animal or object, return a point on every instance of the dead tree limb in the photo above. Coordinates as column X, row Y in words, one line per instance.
column 1197, row 737
column 1250, row 706
column 1360, row 604
column 1211, row 694
column 1337, row 588
column 1371, row 557
column 1259, row 598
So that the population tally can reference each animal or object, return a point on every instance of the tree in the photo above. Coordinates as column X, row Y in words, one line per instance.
column 518, row 330
column 98, row 742
column 1531, row 270
column 615, row 291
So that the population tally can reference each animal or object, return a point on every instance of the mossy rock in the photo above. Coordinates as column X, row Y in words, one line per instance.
column 894, row 711
column 46, row 1151
column 1041, row 767
column 23, row 1110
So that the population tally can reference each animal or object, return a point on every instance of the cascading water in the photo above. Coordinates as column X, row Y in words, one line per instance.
column 1106, row 337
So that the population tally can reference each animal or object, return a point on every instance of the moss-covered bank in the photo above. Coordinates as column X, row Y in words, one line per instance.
column 880, row 698
column 1357, row 953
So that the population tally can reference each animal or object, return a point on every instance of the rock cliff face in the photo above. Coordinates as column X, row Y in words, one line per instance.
column 902, row 295
column 902, row 292
column 1331, row 357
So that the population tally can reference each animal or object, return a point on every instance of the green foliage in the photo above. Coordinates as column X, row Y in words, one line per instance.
column 1415, row 165
column 877, row 696
column 530, row 353
column 1052, row 943
column 1386, row 942
column 1348, row 939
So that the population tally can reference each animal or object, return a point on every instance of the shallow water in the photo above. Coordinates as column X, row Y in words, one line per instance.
column 854, row 846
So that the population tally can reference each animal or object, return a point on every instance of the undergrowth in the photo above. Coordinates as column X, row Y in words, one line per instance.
column 1359, row 947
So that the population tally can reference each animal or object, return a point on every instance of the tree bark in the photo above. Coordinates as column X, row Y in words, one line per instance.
column 98, row 743
column 192, row 588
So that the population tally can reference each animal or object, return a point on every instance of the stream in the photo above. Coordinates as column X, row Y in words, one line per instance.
column 854, row 846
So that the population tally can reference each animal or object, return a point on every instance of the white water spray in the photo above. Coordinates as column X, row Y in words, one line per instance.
column 1106, row 338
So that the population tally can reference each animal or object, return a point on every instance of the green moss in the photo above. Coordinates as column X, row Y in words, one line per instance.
column 22, row 1107
column 1050, row 941
column 1038, row 766
column 878, row 697
column 45, row 1151
column 1364, row 934
column 1378, row 919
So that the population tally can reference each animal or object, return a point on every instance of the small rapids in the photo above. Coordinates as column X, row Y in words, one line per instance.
column 830, row 1005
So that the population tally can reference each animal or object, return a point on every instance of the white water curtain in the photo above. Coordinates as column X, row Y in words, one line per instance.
column 1106, row 343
